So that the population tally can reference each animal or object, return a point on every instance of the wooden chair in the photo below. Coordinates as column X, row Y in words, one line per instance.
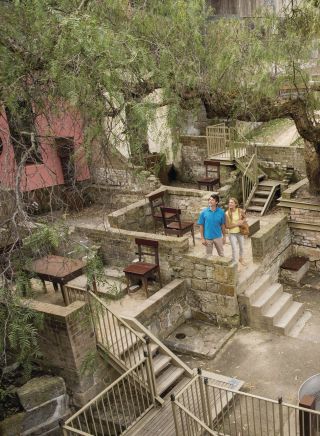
column 174, row 225
column 212, row 175
column 143, row 270
column 156, row 201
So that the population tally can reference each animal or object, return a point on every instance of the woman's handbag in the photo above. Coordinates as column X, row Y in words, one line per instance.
column 244, row 229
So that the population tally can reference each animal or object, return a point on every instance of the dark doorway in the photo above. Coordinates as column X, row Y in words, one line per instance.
column 65, row 150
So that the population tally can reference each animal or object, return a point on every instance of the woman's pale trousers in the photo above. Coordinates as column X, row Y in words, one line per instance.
column 236, row 239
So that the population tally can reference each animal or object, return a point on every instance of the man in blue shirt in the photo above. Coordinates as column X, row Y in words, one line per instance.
column 212, row 226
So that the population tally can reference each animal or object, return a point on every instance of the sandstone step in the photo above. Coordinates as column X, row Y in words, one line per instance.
column 247, row 276
column 168, row 378
column 258, row 201
column 267, row 297
column 289, row 318
column 278, row 308
column 257, row 287
column 135, row 355
column 160, row 362
column 298, row 326
column 262, row 193
column 255, row 208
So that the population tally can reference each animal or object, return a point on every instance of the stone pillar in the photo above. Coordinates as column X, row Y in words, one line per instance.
column 66, row 340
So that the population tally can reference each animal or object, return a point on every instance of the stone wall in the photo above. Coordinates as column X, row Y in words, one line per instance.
column 193, row 154
column 212, row 283
column 274, row 158
column 190, row 201
column 271, row 245
column 118, row 247
column 66, row 340
column 45, row 402
column 165, row 310
column 136, row 217
column 277, row 157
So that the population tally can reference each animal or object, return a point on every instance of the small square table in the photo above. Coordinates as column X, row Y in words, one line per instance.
column 59, row 270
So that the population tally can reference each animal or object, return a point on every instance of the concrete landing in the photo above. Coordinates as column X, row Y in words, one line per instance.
column 198, row 339
column 271, row 365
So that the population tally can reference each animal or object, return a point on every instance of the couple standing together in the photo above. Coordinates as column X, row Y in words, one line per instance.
column 213, row 222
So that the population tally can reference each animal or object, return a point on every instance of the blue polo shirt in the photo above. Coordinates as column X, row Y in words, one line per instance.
column 212, row 220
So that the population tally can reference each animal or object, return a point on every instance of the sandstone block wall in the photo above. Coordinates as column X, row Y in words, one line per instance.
column 65, row 342
column 193, row 154
column 137, row 216
column 271, row 245
column 281, row 156
column 164, row 311
column 212, row 284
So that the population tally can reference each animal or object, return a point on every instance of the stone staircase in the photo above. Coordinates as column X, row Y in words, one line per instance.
column 263, row 196
column 264, row 305
column 167, row 367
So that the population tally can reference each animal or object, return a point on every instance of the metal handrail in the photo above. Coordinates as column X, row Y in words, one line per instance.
column 110, row 401
column 241, row 412
column 192, row 417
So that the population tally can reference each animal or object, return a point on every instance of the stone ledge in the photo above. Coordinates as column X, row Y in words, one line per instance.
column 289, row 192
column 159, row 300
column 124, row 210
column 53, row 309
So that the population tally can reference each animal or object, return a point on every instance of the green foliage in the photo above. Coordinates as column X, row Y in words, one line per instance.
column 20, row 326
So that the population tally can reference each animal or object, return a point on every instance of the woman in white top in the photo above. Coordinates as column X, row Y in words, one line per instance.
column 235, row 217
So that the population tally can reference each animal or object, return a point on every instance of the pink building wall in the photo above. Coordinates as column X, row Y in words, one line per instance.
column 48, row 173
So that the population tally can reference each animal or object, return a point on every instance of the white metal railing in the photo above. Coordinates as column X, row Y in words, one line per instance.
column 203, row 407
column 117, row 408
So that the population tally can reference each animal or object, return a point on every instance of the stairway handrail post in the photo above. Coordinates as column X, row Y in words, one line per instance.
column 206, row 389
column 153, row 384
column 174, row 413
column 243, row 191
column 149, row 376
column 202, row 396
column 281, row 432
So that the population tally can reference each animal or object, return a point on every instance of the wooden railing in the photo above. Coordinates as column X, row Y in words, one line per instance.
column 205, row 408
column 218, row 136
column 249, row 180
column 118, row 407
column 221, row 139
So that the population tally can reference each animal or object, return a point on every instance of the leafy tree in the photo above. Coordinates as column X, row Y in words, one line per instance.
column 104, row 59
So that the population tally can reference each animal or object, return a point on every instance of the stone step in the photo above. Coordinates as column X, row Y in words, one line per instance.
column 246, row 277
column 289, row 318
column 137, row 352
column 255, row 208
column 298, row 326
column 257, row 287
column 277, row 309
column 262, row 193
column 160, row 362
column 268, row 297
column 168, row 378
column 258, row 201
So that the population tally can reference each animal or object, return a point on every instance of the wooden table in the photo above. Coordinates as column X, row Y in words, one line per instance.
column 58, row 270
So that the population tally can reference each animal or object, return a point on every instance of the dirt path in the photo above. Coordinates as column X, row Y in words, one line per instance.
column 285, row 137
